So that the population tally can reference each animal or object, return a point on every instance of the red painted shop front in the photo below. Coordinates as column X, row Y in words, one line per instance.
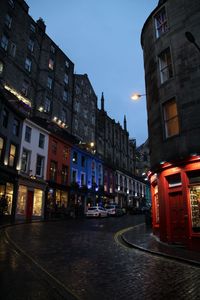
column 175, row 191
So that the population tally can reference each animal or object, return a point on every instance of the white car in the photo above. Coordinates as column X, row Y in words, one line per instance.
column 96, row 211
column 114, row 210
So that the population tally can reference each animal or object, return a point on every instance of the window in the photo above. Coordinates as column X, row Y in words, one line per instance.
column 82, row 161
column 47, row 105
column 28, row 64
column 13, row 49
column 25, row 159
column 66, row 64
column 5, row 115
column 161, row 23
column 1, row 148
column 4, row 42
column 75, row 157
column 49, row 82
column 16, row 125
column 51, row 64
column 171, row 118
column 165, row 64
column 195, row 207
column 11, row 2
column 53, row 171
column 1, row 67
column 54, row 147
column 12, row 155
column 65, row 152
column 32, row 27
column 28, row 134
column 31, row 44
column 65, row 95
column 66, row 78
column 63, row 116
column 8, row 20
column 25, row 87
column 64, row 174
column 40, row 166
column 74, row 176
column 82, row 179
column 41, row 140
column 52, row 49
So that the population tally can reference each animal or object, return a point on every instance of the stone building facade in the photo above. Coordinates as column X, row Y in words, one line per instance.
column 172, row 78
column 113, row 141
column 84, row 109
column 33, row 66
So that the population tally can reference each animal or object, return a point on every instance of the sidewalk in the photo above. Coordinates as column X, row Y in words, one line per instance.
column 141, row 237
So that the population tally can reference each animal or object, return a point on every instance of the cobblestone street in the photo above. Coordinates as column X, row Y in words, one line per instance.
column 81, row 257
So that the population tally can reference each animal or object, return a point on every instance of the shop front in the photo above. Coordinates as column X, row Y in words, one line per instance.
column 57, row 201
column 8, row 193
column 176, row 204
column 30, row 200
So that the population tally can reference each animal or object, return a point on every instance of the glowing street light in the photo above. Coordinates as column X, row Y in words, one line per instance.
column 137, row 96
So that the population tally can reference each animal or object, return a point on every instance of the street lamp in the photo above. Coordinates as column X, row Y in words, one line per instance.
column 137, row 96
column 189, row 36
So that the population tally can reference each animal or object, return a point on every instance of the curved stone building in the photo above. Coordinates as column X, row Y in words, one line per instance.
column 172, row 76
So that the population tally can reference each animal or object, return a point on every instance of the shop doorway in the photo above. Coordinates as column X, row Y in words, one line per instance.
column 29, row 205
column 177, row 218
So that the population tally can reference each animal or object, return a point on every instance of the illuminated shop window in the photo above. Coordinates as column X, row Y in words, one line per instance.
column 37, row 202
column 6, row 197
column 21, row 201
column 61, row 199
column 195, row 207
column 161, row 22
column 171, row 118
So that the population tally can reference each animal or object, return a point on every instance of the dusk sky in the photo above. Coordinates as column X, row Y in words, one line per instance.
column 102, row 39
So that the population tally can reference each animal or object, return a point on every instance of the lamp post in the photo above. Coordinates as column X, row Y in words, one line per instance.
column 137, row 96
column 189, row 36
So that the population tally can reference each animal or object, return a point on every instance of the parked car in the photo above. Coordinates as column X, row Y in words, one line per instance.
column 114, row 210
column 96, row 211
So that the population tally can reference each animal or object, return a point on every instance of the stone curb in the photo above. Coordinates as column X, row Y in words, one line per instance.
column 162, row 254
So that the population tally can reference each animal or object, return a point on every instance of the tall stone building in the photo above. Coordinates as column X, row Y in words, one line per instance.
column 84, row 108
column 32, row 66
column 172, row 76
column 113, row 141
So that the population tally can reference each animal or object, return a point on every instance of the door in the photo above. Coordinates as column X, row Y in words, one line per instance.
column 178, row 218
column 29, row 205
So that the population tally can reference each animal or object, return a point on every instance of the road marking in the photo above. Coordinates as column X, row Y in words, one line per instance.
column 19, row 249
column 118, row 234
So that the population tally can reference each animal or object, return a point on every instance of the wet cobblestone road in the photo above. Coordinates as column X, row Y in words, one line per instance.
column 83, row 256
